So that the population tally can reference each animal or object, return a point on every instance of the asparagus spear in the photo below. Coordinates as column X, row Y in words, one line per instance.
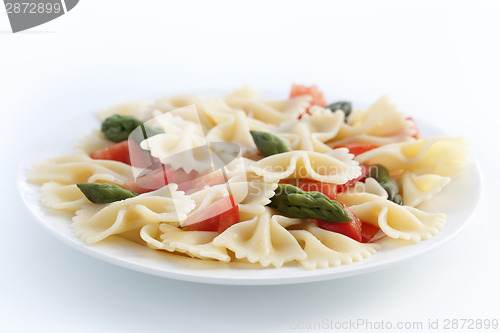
column 346, row 107
column 269, row 144
column 378, row 172
column 293, row 202
column 381, row 175
column 118, row 128
column 104, row 193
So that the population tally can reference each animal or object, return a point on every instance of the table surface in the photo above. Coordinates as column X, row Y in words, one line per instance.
column 437, row 60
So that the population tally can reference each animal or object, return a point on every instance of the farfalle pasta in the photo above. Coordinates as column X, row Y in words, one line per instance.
column 62, row 197
column 179, row 138
column 396, row 221
column 239, row 178
column 335, row 167
column 94, row 223
column 79, row 168
column 269, row 112
column 263, row 239
column 418, row 188
column 380, row 124
column 442, row 156
column 236, row 129
column 198, row 244
column 325, row 248
column 311, row 131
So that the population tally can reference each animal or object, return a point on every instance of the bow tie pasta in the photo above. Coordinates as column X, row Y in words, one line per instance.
column 239, row 178
column 94, row 223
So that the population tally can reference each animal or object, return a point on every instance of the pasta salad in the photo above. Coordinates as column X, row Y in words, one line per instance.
column 239, row 178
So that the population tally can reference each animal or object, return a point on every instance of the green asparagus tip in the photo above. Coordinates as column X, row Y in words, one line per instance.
column 104, row 193
column 269, row 144
column 293, row 202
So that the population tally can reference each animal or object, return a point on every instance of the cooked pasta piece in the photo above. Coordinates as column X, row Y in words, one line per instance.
column 252, row 194
column 95, row 222
column 370, row 186
column 442, row 156
column 325, row 248
column 395, row 221
column 235, row 130
column 79, row 168
column 173, row 102
column 263, row 239
column 310, row 132
column 197, row 244
column 62, row 197
column 380, row 124
column 292, row 107
column 420, row 188
column 211, row 112
column 249, row 192
column 177, row 145
column 296, row 106
column 93, row 141
column 274, row 113
column 336, row 167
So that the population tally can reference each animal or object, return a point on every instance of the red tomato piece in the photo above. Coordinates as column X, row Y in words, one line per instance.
column 181, row 176
column 117, row 152
column 193, row 181
column 302, row 114
column 141, row 158
column 219, row 216
column 128, row 152
column 187, row 182
column 357, row 148
column 309, row 185
column 415, row 127
column 368, row 231
column 313, row 91
column 350, row 229
column 365, row 169
column 152, row 180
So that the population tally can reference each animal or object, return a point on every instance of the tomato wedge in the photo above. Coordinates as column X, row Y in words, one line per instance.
column 141, row 158
column 357, row 148
column 368, row 231
column 193, row 181
column 313, row 91
column 128, row 152
column 117, row 152
column 415, row 127
column 365, row 169
column 151, row 180
column 356, row 229
column 219, row 216
column 309, row 185
column 187, row 182
column 350, row 229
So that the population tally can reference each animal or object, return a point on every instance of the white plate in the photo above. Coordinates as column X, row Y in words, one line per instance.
column 465, row 187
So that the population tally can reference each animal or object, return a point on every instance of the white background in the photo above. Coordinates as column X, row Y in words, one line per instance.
column 438, row 60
